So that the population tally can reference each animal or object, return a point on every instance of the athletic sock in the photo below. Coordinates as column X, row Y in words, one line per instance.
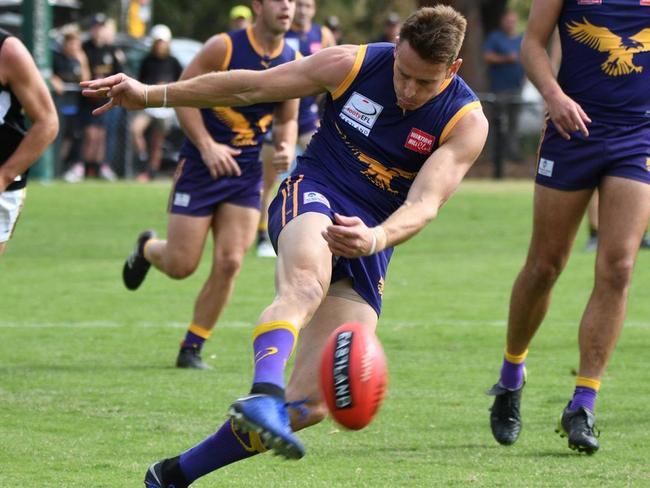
column 262, row 232
column 273, row 343
column 195, row 337
column 224, row 447
column 585, row 393
column 513, row 370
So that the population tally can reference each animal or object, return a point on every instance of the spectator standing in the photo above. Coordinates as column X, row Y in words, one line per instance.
column 506, row 76
column 70, row 66
column 104, row 59
column 391, row 27
column 159, row 66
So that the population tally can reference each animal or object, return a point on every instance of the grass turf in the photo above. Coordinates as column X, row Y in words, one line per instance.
column 89, row 397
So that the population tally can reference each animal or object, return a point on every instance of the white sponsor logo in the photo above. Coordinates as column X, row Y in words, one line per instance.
column 545, row 167
column 361, row 113
column 312, row 196
column 293, row 43
column 181, row 199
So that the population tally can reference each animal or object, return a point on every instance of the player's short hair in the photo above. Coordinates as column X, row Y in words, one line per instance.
column 435, row 33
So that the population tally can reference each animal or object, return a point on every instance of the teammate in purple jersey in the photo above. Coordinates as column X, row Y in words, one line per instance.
column 22, row 91
column 307, row 37
column 219, row 177
column 400, row 132
column 597, row 136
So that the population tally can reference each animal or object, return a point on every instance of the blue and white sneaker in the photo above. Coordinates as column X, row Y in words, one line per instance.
column 165, row 474
column 268, row 416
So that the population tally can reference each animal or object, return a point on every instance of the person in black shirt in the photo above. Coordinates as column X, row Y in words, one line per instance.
column 159, row 66
column 70, row 66
column 22, row 89
column 104, row 60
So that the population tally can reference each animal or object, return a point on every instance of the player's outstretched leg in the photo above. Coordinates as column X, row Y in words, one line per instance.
column 265, row 411
column 136, row 265
column 505, row 415
column 579, row 426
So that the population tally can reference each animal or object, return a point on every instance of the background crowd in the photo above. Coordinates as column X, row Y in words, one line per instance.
column 145, row 145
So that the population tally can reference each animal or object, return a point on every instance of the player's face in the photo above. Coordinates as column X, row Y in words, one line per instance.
column 416, row 80
column 305, row 11
column 276, row 15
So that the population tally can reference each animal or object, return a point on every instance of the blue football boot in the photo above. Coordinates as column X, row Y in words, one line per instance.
column 268, row 416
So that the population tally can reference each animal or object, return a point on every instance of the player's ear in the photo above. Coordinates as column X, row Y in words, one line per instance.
column 454, row 67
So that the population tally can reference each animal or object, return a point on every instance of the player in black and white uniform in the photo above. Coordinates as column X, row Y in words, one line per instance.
column 22, row 90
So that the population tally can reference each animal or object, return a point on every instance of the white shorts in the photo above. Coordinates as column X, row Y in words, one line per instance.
column 11, row 203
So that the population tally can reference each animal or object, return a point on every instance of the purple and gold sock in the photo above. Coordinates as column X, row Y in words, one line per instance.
column 513, row 370
column 585, row 393
column 196, row 336
column 224, row 447
column 273, row 343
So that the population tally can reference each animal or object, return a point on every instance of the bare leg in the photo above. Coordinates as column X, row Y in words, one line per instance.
column 624, row 213
column 305, row 378
column 233, row 229
column 557, row 215
column 303, row 271
column 179, row 255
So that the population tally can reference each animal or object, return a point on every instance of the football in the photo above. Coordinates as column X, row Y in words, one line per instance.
column 353, row 375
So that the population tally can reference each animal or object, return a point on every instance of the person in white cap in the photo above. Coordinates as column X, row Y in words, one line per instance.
column 159, row 66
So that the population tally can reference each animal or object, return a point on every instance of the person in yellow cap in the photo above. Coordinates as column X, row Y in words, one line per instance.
column 240, row 17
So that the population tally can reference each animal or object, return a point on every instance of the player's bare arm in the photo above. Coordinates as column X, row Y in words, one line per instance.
column 318, row 73
column 566, row 114
column 219, row 158
column 285, row 133
column 433, row 186
column 20, row 74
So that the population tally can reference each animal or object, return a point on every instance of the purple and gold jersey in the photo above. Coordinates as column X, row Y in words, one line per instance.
column 242, row 127
column 367, row 146
column 606, row 57
column 307, row 43
column 365, row 156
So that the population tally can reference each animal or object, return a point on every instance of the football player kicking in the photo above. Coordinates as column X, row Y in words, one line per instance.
column 399, row 132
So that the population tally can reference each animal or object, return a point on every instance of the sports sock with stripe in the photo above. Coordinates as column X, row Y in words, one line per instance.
column 513, row 370
column 273, row 343
column 585, row 393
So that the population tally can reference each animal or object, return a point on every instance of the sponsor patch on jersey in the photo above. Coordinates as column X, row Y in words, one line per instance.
column 419, row 141
column 313, row 196
column 545, row 167
column 590, row 2
column 315, row 47
column 361, row 113
column 182, row 199
column 644, row 3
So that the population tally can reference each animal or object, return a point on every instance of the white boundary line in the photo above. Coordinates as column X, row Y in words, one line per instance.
column 393, row 324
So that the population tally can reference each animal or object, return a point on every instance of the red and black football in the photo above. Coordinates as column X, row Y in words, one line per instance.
column 354, row 375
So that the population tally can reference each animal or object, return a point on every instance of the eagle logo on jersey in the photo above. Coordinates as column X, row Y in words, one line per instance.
column 621, row 50
column 245, row 134
column 382, row 176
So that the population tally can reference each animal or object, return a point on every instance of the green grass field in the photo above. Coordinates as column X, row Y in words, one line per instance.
column 89, row 397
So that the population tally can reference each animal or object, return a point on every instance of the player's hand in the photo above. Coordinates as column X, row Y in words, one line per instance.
column 567, row 115
column 283, row 156
column 121, row 91
column 220, row 159
column 349, row 237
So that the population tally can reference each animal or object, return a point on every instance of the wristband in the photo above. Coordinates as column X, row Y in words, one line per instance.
column 373, row 247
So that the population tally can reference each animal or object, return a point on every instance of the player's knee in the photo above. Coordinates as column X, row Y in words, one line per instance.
column 228, row 265
column 179, row 269
column 615, row 273
column 306, row 292
column 543, row 273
